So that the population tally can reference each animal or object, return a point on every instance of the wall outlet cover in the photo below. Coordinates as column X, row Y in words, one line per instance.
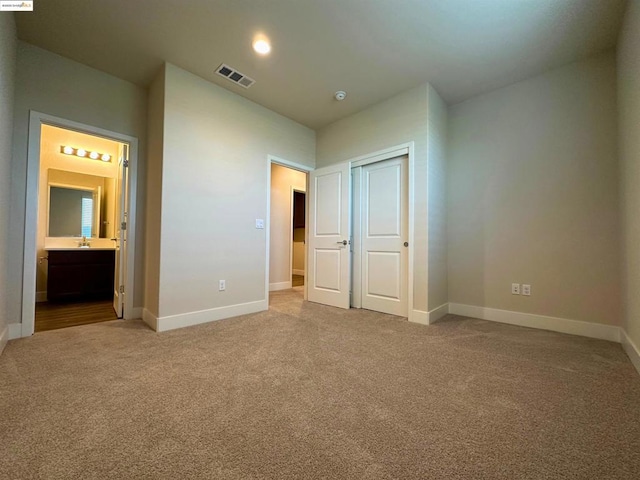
column 259, row 223
column 526, row 289
column 515, row 289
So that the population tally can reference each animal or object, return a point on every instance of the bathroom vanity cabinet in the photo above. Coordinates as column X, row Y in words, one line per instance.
column 80, row 274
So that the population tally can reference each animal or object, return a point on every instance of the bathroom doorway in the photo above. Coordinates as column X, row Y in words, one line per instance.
column 79, row 225
column 82, row 181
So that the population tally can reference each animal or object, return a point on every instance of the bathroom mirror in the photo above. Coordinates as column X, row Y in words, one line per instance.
column 73, row 211
column 80, row 205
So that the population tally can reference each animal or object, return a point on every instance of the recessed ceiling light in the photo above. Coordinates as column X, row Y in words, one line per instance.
column 262, row 46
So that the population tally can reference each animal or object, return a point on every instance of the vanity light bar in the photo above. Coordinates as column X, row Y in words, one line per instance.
column 81, row 152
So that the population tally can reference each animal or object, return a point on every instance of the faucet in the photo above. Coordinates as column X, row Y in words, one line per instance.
column 84, row 242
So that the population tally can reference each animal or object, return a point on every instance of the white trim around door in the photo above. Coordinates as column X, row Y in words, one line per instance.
column 36, row 120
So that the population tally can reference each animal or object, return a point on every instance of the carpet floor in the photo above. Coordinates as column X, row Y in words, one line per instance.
column 305, row 391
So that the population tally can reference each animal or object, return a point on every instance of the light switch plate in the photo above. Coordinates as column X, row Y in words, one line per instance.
column 259, row 223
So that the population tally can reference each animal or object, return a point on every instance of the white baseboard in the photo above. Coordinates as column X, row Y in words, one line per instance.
column 150, row 319
column 15, row 331
column 171, row 322
column 41, row 296
column 630, row 348
column 295, row 271
column 136, row 312
column 437, row 313
column 4, row 338
column 279, row 286
column 542, row 322
column 419, row 316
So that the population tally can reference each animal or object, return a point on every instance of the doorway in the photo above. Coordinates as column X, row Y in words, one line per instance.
column 81, row 205
column 287, row 227
column 298, row 245
column 79, row 225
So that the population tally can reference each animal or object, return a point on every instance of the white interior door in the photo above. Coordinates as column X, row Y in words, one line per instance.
column 329, row 259
column 384, row 233
column 121, row 231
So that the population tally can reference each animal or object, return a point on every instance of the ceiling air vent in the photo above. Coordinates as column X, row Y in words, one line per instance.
column 233, row 75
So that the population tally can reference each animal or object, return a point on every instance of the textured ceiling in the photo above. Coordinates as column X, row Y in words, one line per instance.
column 373, row 49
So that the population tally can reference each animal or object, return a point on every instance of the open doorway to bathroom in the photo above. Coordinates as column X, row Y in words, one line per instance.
column 81, row 222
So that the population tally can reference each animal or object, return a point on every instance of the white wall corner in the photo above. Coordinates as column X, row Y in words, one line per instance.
column 438, row 312
column 4, row 338
column 150, row 319
column 41, row 296
column 205, row 316
column 15, row 331
column 541, row 322
column 631, row 349
column 136, row 312
column 419, row 316
column 279, row 286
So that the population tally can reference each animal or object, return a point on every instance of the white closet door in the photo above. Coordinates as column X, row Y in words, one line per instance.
column 329, row 258
column 385, row 255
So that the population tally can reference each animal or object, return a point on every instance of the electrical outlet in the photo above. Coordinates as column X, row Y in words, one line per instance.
column 259, row 223
column 222, row 286
column 526, row 289
column 515, row 289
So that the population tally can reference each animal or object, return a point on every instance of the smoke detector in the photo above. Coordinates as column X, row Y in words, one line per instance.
column 340, row 95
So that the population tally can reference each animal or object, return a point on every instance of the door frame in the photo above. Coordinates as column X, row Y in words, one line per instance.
column 36, row 120
column 295, row 166
column 379, row 156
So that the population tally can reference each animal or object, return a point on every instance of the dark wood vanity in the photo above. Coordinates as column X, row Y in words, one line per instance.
column 80, row 274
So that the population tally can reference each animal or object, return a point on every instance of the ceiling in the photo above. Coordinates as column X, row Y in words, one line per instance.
column 372, row 49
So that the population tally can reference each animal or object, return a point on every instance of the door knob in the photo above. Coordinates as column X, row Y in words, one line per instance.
column 406, row 244
column 343, row 242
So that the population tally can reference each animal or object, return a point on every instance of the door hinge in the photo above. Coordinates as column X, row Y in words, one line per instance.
column 123, row 226
column 121, row 288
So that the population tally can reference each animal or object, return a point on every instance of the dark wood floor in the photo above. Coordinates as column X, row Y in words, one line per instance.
column 297, row 280
column 51, row 316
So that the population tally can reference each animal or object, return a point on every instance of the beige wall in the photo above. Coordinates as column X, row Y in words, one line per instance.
column 629, row 151
column 155, row 140
column 401, row 119
column 533, row 195
column 8, row 42
column 214, row 187
column 51, row 159
column 282, row 181
column 51, row 84
column 437, row 161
